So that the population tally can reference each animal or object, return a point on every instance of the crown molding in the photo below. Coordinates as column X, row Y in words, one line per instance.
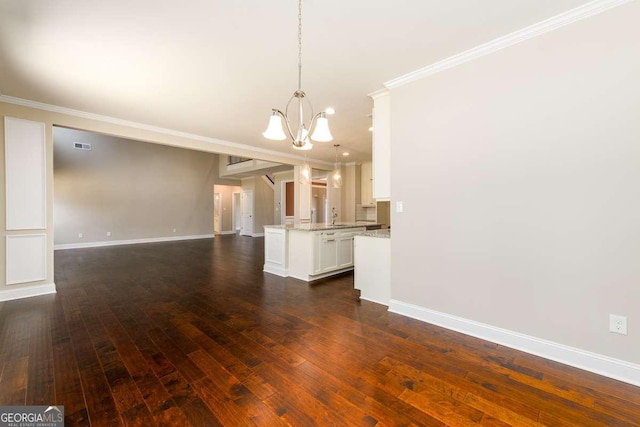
column 378, row 93
column 574, row 15
column 142, row 126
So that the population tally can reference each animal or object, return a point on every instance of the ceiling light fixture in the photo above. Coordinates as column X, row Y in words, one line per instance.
column 301, row 137
column 336, row 175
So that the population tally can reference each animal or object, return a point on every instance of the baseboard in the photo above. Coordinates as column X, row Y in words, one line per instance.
column 27, row 292
column 582, row 359
column 130, row 242
column 257, row 235
column 226, row 232
column 282, row 272
column 376, row 301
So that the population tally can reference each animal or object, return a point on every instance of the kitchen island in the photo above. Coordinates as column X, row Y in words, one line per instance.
column 309, row 251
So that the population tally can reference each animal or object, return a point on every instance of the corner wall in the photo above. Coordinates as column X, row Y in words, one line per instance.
column 521, row 187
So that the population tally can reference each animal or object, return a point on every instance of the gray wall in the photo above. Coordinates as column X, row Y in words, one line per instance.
column 521, row 186
column 133, row 189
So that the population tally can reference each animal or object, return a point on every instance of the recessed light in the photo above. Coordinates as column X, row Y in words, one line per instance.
column 371, row 129
column 330, row 111
column 345, row 154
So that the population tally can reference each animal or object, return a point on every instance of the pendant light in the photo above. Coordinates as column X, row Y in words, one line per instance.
column 304, row 175
column 336, row 175
column 318, row 122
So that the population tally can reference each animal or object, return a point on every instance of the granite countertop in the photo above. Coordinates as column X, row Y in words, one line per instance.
column 318, row 226
column 382, row 234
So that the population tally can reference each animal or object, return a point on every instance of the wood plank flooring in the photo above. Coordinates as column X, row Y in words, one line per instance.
column 193, row 333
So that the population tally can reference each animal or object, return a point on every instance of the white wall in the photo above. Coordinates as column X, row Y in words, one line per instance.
column 521, row 186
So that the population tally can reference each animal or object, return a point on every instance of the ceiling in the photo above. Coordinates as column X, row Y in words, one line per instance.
column 215, row 68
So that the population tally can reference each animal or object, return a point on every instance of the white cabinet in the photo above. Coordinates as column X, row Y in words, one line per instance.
column 381, row 145
column 345, row 250
column 328, row 258
column 317, row 254
column 366, row 184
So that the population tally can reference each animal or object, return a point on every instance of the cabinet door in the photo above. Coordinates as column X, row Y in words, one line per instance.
column 382, row 146
column 366, row 184
column 345, row 252
column 328, row 254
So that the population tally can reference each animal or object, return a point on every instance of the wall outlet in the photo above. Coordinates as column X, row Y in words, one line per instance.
column 618, row 324
column 399, row 207
column 174, row 230
column 108, row 234
column 80, row 235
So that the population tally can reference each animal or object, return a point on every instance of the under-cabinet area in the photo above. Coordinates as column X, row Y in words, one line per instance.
column 309, row 251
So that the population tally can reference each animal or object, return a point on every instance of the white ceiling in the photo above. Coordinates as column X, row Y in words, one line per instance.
column 216, row 68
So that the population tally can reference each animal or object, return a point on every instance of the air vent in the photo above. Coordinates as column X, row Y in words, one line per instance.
column 82, row 146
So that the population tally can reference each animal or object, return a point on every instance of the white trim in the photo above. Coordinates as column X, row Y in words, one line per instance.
column 257, row 235
column 25, row 264
column 278, row 271
column 130, row 242
column 577, row 14
column 27, row 292
column 582, row 359
column 151, row 128
column 378, row 93
column 29, row 160
column 226, row 232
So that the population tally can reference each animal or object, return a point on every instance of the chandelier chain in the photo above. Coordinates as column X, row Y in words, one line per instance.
column 299, row 44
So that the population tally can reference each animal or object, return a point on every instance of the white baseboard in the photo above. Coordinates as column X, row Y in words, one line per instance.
column 27, row 292
column 582, row 359
column 226, row 232
column 130, row 242
column 282, row 272
column 257, row 235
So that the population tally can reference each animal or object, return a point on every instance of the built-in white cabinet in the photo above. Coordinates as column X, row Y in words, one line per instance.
column 345, row 250
column 381, row 145
column 311, row 254
column 366, row 184
column 328, row 252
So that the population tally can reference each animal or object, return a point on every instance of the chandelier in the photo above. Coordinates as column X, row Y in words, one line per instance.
column 318, row 122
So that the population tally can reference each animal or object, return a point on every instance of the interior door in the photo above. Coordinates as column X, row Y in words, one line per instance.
column 247, row 213
column 217, row 203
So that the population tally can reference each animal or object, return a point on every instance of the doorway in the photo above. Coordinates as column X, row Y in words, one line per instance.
column 217, row 205
column 247, row 213
column 237, row 212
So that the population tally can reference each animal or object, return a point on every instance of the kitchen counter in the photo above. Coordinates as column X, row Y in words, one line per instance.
column 381, row 234
column 320, row 226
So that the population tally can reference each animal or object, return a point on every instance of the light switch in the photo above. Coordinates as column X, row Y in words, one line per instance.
column 399, row 207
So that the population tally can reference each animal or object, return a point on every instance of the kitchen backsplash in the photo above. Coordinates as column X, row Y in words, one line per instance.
column 366, row 214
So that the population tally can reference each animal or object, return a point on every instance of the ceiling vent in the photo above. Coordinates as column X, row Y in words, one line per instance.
column 82, row 146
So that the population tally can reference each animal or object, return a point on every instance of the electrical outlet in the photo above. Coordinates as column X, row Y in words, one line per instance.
column 399, row 207
column 80, row 235
column 174, row 230
column 108, row 234
column 618, row 324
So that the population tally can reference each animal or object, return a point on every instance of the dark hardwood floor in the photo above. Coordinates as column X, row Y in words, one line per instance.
column 193, row 333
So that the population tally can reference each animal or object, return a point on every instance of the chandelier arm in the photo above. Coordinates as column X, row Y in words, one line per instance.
column 286, row 121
